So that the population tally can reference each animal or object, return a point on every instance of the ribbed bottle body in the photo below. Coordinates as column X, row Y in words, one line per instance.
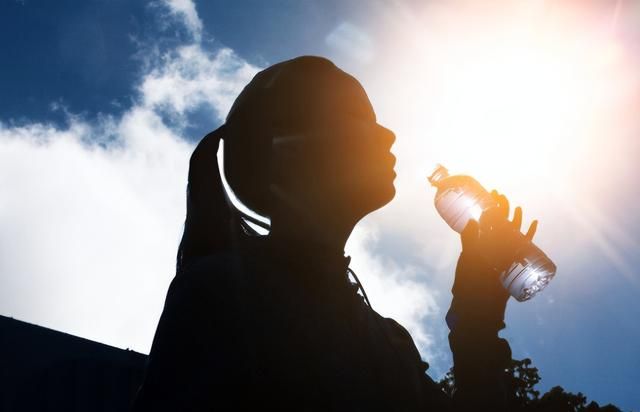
column 529, row 273
column 461, row 199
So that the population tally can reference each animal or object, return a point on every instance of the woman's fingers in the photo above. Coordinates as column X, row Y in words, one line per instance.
column 489, row 218
column 517, row 218
column 532, row 230
column 502, row 202
column 502, row 212
column 470, row 233
column 496, row 197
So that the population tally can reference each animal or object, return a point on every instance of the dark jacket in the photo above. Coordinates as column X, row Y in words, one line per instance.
column 267, row 329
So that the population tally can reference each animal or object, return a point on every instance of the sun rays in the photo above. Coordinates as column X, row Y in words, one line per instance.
column 535, row 99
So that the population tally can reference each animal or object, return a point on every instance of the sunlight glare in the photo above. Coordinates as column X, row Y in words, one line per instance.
column 515, row 97
column 535, row 100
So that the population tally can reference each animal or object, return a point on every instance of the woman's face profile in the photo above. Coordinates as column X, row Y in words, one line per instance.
column 343, row 162
column 328, row 157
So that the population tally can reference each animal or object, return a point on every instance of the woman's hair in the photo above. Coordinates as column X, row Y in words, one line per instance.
column 288, row 98
column 291, row 97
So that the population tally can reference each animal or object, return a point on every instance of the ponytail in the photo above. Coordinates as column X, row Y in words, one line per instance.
column 212, row 224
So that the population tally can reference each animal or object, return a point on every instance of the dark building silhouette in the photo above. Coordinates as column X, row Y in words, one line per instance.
column 46, row 370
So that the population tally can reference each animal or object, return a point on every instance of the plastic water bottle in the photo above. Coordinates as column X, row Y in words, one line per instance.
column 461, row 198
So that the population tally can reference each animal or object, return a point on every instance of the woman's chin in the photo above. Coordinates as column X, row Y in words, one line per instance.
column 392, row 192
column 387, row 194
column 376, row 193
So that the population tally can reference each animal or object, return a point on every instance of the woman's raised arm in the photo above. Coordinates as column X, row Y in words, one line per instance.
column 477, row 309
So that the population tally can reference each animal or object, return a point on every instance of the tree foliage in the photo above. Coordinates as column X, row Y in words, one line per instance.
column 521, row 379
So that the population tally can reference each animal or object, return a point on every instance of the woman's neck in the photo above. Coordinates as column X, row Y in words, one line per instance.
column 308, row 242
column 325, row 240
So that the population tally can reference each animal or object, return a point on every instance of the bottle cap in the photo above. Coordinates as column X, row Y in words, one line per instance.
column 438, row 174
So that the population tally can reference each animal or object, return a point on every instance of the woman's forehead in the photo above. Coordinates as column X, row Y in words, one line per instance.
column 349, row 99
column 339, row 128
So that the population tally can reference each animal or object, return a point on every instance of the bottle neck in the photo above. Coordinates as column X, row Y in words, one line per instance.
column 438, row 175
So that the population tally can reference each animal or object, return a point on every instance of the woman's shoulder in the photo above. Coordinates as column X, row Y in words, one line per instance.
column 400, row 336
column 402, row 340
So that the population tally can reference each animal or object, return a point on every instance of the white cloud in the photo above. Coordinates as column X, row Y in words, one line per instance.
column 92, row 213
column 394, row 290
column 89, row 233
column 189, row 77
column 186, row 11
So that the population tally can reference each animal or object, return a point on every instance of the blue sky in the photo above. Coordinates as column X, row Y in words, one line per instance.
column 100, row 103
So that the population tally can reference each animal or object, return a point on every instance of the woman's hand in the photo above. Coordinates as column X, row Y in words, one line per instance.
column 488, row 248
column 495, row 238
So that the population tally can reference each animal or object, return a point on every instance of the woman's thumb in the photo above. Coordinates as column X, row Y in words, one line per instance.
column 469, row 235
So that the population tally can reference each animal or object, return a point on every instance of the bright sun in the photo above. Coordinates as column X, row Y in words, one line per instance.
column 532, row 98
column 529, row 102
column 513, row 95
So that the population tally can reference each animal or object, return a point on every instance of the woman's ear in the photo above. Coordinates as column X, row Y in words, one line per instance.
column 284, row 201
column 286, row 157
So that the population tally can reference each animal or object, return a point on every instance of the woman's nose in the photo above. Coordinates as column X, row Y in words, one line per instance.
column 388, row 136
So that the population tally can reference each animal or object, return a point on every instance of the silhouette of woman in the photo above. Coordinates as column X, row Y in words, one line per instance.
column 254, row 322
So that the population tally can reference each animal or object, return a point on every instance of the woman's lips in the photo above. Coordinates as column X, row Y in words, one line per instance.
column 393, row 165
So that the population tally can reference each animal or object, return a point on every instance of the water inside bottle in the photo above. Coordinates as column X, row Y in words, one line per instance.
column 461, row 198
